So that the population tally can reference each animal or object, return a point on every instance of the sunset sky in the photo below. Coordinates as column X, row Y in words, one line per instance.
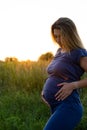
column 25, row 25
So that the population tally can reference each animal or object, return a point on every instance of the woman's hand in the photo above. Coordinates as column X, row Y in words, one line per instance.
column 65, row 91
column 42, row 97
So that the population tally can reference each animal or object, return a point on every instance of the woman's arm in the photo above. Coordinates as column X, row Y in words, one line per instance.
column 67, row 88
column 82, row 83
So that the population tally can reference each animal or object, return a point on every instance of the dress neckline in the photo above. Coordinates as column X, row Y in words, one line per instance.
column 62, row 51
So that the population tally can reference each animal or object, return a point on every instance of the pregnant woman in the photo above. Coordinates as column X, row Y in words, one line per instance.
column 60, row 90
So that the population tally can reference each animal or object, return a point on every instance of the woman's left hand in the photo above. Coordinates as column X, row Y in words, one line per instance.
column 64, row 91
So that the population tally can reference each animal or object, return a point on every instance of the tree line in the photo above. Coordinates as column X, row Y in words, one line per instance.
column 44, row 57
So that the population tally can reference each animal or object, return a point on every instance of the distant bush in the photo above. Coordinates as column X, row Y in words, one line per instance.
column 13, row 59
column 46, row 57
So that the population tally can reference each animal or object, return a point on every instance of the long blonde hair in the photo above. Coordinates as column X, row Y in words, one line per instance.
column 70, row 36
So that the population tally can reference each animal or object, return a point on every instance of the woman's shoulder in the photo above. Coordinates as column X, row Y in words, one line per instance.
column 79, row 51
column 76, row 54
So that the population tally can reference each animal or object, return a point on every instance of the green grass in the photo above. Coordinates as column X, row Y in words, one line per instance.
column 21, row 106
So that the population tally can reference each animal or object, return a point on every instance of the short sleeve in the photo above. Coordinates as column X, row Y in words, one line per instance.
column 78, row 53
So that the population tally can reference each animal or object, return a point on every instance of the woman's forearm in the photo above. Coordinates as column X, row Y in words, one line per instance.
column 80, row 84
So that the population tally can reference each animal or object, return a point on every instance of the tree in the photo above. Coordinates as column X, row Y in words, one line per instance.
column 47, row 56
column 11, row 59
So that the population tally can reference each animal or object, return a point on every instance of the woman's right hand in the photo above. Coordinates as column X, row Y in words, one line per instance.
column 65, row 91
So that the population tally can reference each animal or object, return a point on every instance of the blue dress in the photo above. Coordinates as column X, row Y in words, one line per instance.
column 65, row 67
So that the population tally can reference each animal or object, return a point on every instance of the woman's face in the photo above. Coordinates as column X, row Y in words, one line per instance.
column 57, row 36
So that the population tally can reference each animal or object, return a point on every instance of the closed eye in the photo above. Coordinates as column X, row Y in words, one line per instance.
column 56, row 36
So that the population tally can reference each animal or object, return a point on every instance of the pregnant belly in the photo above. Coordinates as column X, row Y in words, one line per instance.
column 50, row 89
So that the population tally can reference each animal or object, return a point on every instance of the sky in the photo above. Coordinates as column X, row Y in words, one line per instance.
column 25, row 25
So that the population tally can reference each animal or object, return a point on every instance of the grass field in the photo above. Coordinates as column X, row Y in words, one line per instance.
column 21, row 107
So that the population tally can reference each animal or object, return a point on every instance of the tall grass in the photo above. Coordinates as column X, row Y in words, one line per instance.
column 21, row 107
